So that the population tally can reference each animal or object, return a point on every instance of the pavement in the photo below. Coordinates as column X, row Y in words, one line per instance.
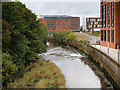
column 113, row 53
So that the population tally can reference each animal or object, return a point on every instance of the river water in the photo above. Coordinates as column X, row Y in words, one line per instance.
column 78, row 70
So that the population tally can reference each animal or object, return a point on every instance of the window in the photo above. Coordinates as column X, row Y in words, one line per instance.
column 101, row 16
column 101, row 35
column 109, row 15
column 108, row 35
column 98, row 20
column 104, row 15
column 104, row 35
column 112, row 14
column 98, row 25
column 112, row 35
column 88, row 19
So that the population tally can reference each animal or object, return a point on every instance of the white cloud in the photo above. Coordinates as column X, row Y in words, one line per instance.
column 59, row 0
column 81, row 9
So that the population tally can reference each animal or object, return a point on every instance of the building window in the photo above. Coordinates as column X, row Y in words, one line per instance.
column 88, row 19
column 112, row 35
column 108, row 35
column 98, row 20
column 109, row 15
column 104, row 35
column 98, row 25
column 112, row 14
column 104, row 15
column 101, row 35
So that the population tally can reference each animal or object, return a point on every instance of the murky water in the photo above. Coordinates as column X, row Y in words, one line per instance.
column 79, row 72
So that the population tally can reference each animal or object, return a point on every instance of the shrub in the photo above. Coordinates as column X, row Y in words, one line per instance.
column 8, row 68
column 64, row 35
column 84, row 41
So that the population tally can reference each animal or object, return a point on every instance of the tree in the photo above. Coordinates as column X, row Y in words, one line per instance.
column 23, row 36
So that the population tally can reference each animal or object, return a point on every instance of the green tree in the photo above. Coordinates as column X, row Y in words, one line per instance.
column 23, row 36
column 28, row 36
column 6, row 35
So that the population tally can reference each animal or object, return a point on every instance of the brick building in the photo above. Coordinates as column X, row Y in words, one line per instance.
column 93, row 24
column 110, row 24
column 60, row 22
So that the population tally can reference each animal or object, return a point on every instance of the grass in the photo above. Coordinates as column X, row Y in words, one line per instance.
column 41, row 74
column 95, row 34
column 82, row 37
column 84, row 41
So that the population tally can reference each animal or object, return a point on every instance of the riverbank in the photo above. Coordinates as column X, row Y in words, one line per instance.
column 108, row 65
column 41, row 74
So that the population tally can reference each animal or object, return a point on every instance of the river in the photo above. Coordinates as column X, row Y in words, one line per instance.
column 78, row 70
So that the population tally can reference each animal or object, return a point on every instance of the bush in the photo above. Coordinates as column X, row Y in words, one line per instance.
column 95, row 34
column 8, row 68
column 84, row 41
column 64, row 35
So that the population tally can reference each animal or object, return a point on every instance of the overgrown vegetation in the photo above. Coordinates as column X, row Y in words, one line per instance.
column 42, row 74
column 84, row 41
column 95, row 34
column 64, row 35
column 23, row 37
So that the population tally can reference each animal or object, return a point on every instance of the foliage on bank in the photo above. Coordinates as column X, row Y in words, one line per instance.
column 41, row 74
column 95, row 34
column 64, row 36
column 84, row 42
column 23, row 37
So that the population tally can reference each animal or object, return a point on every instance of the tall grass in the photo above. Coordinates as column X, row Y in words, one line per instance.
column 42, row 74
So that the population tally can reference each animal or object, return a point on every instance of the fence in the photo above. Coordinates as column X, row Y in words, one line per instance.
column 108, row 51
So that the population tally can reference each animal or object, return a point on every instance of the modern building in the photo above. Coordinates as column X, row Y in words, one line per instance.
column 110, row 24
column 60, row 22
column 84, row 24
column 93, row 24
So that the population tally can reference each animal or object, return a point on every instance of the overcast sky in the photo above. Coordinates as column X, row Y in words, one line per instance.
column 81, row 8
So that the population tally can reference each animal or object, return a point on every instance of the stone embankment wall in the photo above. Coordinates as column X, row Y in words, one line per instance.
column 109, row 64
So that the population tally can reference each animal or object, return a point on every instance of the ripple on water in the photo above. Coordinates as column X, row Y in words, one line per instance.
column 77, row 74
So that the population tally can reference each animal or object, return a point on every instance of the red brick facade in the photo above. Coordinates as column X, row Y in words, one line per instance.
column 110, row 30
column 93, row 23
column 61, row 23
column 75, row 23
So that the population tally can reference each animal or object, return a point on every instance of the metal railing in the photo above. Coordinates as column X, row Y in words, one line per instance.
column 107, row 51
